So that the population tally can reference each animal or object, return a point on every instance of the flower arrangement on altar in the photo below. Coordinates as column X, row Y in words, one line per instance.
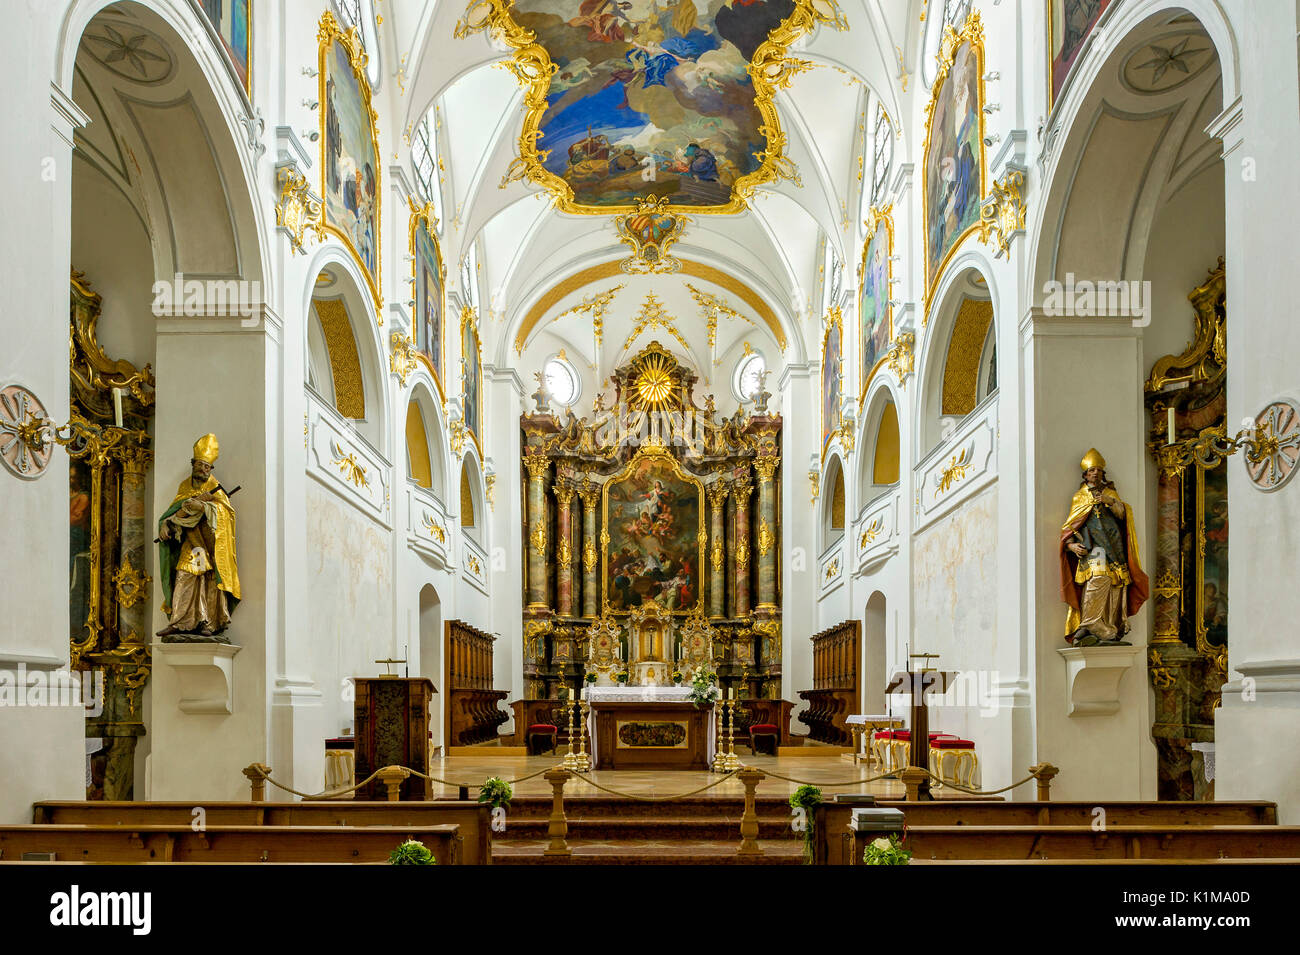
column 704, row 688
column 591, row 678
column 887, row 850
column 677, row 677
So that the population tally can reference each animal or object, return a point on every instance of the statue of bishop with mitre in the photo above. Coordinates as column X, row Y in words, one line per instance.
column 196, row 552
column 1102, row 582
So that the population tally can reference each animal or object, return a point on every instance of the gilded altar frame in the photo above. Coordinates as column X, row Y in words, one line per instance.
column 875, row 218
column 972, row 32
column 424, row 215
column 658, row 451
column 329, row 33
column 771, row 69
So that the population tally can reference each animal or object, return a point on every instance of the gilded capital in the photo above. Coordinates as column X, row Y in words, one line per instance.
column 563, row 494
column 537, row 464
column 766, row 465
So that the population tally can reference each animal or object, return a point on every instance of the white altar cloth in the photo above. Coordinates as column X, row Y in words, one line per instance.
column 645, row 694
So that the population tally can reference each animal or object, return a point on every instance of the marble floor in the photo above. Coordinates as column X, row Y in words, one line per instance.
column 834, row 774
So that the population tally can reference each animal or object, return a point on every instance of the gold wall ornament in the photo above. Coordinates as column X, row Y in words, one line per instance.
column 653, row 315
column 1002, row 214
column 475, row 567
column 712, row 308
column 132, row 584
column 814, row 483
column 95, row 375
column 563, row 553
column 653, row 380
column 650, row 231
column 719, row 556
column 765, row 538
column 538, row 539
column 589, row 555
column 953, row 472
column 972, row 31
column 328, row 33
column 871, row 532
column 770, row 68
column 594, row 306
column 297, row 209
column 900, row 358
column 742, row 553
column 456, row 434
column 1162, row 677
column 402, row 360
column 25, row 449
column 489, row 490
column 833, row 568
column 1205, row 358
column 352, row 469
column 436, row 530
column 608, row 270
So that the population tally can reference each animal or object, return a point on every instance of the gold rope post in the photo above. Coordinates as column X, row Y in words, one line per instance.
column 257, row 773
column 749, row 820
column 557, row 826
column 1045, row 773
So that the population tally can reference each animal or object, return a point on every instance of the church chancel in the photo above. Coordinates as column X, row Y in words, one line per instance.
column 649, row 727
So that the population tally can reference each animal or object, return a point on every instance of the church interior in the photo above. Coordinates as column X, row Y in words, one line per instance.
column 650, row 431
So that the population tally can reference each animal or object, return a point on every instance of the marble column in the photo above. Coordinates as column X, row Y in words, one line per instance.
column 740, row 491
column 564, row 550
column 537, row 465
column 590, row 560
column 1166, row 590
column 718, row 556
column 766, row 465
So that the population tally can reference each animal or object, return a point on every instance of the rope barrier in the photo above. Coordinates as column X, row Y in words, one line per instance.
column 821, row 785
column 616, row 792
column 978, row 792
column 328, row 794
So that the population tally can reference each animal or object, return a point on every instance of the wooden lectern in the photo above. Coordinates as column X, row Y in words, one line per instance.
column 392, row 729
column 917, row 683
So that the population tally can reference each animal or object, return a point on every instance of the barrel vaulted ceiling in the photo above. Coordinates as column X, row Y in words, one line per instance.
column 772, row 254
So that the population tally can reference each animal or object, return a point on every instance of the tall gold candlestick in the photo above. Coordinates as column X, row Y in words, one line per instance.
column 719, row 756
column 570, row 758
column 583, row 762
column 732, row 762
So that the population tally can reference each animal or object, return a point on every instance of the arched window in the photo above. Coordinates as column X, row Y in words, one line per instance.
column 882, row 152
column 424, row 160
column 562, row 381
column 748, row 380
column 954, row 15
column 361, row 14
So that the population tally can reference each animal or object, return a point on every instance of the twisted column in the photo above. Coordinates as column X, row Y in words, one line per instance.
column 537, row 464
column 718, row 555
column 740, row 491
column 564, row 550
column 766, row 465
column 590, row 560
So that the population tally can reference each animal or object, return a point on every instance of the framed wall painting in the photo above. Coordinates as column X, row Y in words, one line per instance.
column 349, row 148
column 875, row 317
column 1069, row 24
column 832, row 376
column 953, row 164
column 232, row 24
column 471, row 376
column 428, row 291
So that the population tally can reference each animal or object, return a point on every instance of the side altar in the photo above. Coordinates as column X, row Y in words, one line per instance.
column 648, row 727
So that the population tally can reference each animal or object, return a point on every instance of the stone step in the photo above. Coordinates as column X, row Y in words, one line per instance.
column 643, row 828
column 648, row 852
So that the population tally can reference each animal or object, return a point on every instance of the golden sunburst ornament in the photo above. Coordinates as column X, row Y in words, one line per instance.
column 655, row 383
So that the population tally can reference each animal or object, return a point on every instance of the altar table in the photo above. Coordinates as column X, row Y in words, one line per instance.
column 649, row 728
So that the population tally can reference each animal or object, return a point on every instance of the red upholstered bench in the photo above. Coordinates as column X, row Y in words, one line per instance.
column 962, row 752
column 539, row 734
column 768, row 733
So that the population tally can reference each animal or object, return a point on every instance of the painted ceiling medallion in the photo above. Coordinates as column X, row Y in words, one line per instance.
column 136, row 55
column 1167, row 63
column 632, row 99
column 649, row 232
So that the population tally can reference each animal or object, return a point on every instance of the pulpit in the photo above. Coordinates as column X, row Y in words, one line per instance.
column 392, row 729
column 916, row 684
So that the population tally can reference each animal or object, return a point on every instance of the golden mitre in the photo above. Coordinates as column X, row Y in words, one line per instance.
column 207, row 449
column 1092, row 459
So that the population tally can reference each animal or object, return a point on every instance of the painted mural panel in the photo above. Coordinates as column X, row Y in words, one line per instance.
column 650, row 98
column 80, row 580
column 232, row 21
column 875, row 327
column 1072, row 22
column 652, row 517
column 429, row 299
column 349, row 151
column 472, row 384
column 832, row 370
column 954, row 159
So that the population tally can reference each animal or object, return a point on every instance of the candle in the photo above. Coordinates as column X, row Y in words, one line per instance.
column 582, row 692
column 117, row 406
column 731, row 692
column 1171, row 426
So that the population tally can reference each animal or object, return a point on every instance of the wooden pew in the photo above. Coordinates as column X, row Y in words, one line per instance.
column 473, row 820
column 1114, row 842
column 180, row 843
column 835, row 844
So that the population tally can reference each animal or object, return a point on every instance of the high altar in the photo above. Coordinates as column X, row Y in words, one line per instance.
column 670, row 565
